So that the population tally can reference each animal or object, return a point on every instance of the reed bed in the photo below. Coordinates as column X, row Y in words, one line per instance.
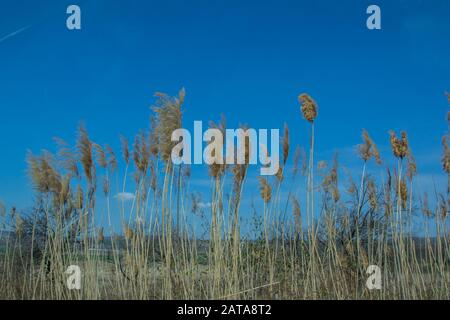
column 315, row 244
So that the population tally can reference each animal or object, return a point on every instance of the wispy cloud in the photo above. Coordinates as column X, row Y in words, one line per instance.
column 12, row 34
column 125, row 196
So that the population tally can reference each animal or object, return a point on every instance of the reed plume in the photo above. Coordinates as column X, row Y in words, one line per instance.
column 372, row 193
column 399, row 145
column 101, row 155
column 125, row 149
column 111, row 158
column 67, row 158
column 285, row 143
column 402, row 192
column 308, row 107
column 218, row 167
column 168, row 119
column 411, row 167
column 446, row 155
column 368, row 149
column 141, row 153
column 265, row 189
column 43, row 174
column 85, row 148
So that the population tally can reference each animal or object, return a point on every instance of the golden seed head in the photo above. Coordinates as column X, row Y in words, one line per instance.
column 217, row 169
column 446, row 155
column 125, row 149
column 368, row 149
column 371, row 188
column 265, row 189
column 285, row 143
column 112, row 160
column 403, row 193
column 279, row 174
column 335, row 194
column 308, row 107
column 141, row 153
column 412, row 168
column 399, row 146
column 168, row 119
column 43, row 174
column 101, row 155
column 67, row 158
column 84, row 145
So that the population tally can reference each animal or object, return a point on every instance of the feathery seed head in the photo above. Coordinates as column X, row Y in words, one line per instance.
column 85, row 147
column 285, row 143
column 112, row 160
column 412, row 168
column 279, row 174
column 399, row 146
column 403, row 193
column 308, row 107
column 168, row 119
column 368, row 149
column 265, row 189
column 371, row 188
column 446, row 155
column 125, row 149
column 101, row 155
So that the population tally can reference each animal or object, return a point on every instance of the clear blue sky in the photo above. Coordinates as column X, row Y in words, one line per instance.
column 246, row 59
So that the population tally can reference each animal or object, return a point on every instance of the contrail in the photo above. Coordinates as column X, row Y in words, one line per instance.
column 12, row 34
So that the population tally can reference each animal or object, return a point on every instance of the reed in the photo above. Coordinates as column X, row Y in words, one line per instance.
column 171, row 244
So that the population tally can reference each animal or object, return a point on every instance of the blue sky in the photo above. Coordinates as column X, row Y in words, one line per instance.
column 246, row 59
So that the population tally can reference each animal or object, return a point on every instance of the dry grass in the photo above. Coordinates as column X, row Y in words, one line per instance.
column 159, row 253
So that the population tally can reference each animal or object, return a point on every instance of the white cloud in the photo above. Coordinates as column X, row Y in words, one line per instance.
column 204, row 205
column 125, row 196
